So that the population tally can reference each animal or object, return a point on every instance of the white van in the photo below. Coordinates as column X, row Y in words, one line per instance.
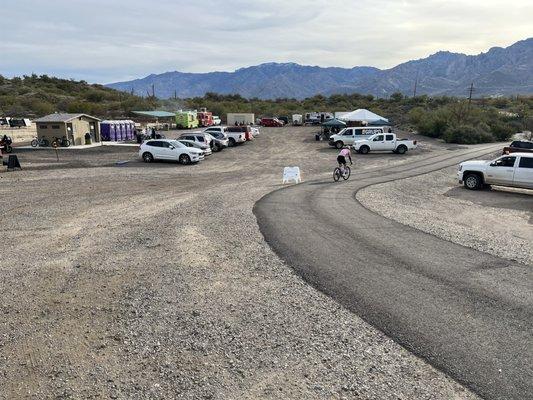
column 348, row 136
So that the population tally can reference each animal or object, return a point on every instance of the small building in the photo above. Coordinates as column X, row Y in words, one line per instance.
column 72, row 126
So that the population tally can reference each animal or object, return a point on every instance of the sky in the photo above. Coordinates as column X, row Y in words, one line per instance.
column 104, row 41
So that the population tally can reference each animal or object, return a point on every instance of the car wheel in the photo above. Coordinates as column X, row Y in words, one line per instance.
column 339, row 145
column 216, row 148
column 473, row 182
column 184, row 159
column 401, row 149
column 148, row 157
column 364, row 149
column 231, row 142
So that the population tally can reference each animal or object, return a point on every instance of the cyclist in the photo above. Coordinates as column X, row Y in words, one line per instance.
column 341, row 158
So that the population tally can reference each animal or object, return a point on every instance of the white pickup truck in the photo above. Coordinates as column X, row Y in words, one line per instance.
column 235, row 136
column 384, row 142
column 514, row 170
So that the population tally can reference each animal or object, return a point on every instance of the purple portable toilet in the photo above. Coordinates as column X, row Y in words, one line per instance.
column 105, row 128
column 132, row 125
column 122, row 131
column 128, row 130
column 113, row 131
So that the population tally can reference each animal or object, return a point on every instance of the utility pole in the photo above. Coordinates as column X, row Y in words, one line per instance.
column 416, row 84
column 153, row 90
column 175, row 95
column 470, row 94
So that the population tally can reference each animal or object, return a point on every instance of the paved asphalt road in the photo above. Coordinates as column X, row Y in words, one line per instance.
column 466, row 312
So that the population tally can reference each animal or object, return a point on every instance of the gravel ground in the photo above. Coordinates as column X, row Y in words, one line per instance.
column 153, row 281
column 497, row 221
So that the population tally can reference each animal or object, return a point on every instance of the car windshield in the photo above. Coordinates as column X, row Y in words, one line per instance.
column 177, row 143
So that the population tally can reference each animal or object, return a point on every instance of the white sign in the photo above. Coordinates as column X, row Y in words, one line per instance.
column 291, row 174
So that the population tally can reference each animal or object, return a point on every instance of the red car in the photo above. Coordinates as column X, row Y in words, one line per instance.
column 519, row 146
column 272, row 122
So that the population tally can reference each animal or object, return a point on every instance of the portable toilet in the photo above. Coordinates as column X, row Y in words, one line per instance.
column 105, row 130
column 112, row 131
column 127, row 130
column 132, row 129
column 122, row 130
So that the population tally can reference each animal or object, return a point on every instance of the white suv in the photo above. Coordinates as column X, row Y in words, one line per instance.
column 166, row 149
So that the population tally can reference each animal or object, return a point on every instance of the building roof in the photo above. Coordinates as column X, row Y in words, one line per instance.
column 155, row 114
column 362, row 115
column 58, row 117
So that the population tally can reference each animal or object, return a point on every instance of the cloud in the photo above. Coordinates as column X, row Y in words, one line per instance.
column 104, row 41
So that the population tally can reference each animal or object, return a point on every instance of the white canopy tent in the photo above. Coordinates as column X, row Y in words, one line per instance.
column 362, row 115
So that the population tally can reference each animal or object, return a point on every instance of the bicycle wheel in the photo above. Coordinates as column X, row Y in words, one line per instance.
column 336, row 174
column 347, row 172
column 34, row 143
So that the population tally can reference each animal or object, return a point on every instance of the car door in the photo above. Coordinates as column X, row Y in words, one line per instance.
column 347, row 136
column 390, row 143
column 523, row 175
column 167, row 151
column 358, row 134
column 156, row 148
column 378, row 143
column 501, row 171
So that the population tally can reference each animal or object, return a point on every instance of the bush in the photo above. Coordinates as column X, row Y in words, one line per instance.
column 466, row 134
column 502, row 131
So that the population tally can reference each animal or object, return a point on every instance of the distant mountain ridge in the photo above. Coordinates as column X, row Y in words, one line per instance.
column 499, row 71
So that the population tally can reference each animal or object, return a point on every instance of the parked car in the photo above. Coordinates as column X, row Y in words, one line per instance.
column 205, row 148
column 522, row 146
column 255, row 131
column 198, row 137
column 238, row 134
column 216, row 120
column 284, row 119
column 271, row 122
column 235, row 135
column 514, row 170
column 219, row 141
column 384, row 142
column 166, row 149
column 348, row 136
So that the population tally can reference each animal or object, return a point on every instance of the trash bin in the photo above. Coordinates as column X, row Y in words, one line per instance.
column 87, row 138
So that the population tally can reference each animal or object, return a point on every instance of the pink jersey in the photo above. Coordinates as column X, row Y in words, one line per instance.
column 344, row 152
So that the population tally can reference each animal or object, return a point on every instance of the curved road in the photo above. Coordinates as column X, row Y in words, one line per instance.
column 468, row 313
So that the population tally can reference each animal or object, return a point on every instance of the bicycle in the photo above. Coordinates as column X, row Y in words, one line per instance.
column 63, row 142
column 41, row 142
column 337, row 173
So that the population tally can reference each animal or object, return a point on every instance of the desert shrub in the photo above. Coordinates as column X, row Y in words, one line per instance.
column 467, row 134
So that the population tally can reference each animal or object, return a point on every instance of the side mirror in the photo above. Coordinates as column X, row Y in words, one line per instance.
column 172, row 147
column 493, row 164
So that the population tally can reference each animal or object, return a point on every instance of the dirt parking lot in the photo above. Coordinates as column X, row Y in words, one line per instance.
column 153, row 281
column 497, row 221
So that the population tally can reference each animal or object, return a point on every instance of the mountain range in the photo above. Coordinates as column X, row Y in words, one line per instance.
column 499, row 71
